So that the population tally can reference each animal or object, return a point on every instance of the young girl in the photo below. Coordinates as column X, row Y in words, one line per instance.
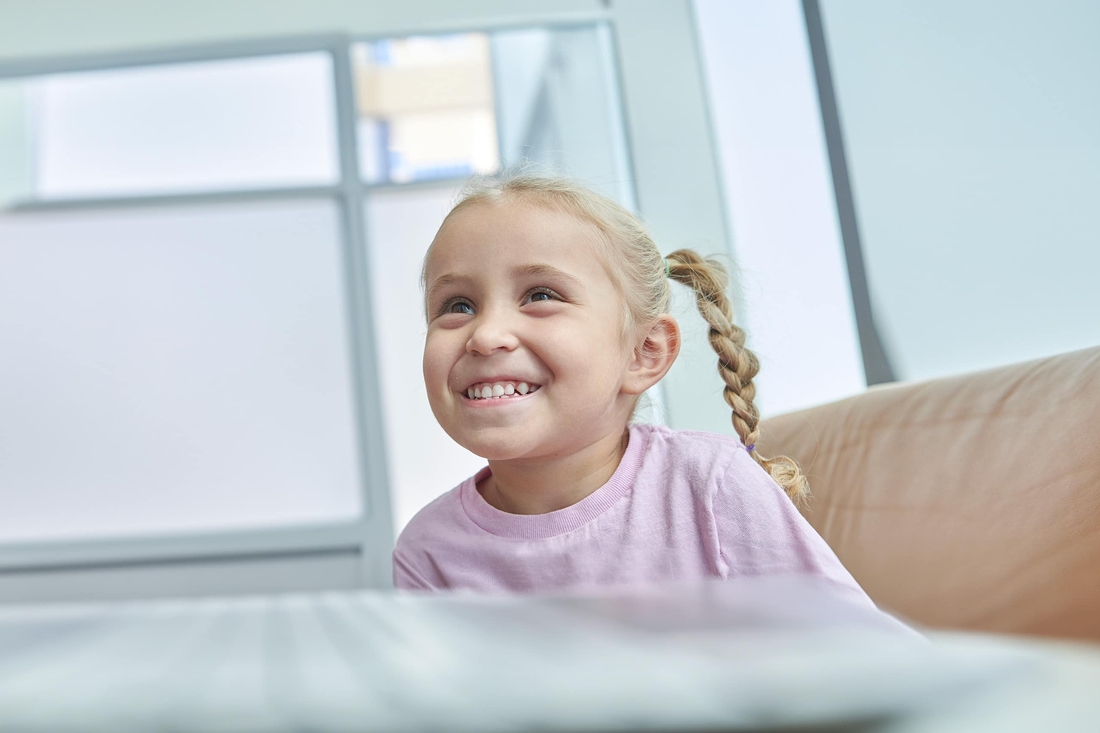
column 547, row 308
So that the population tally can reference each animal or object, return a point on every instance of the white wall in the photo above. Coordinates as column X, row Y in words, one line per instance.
column 973, row 137
column 797, row 304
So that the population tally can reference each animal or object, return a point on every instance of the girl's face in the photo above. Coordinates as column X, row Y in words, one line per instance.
column 519, row 304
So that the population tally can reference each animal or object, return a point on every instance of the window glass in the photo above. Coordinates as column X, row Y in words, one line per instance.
column 438, row 107
column 174, row 369
column 261, row 122
column 425, row 108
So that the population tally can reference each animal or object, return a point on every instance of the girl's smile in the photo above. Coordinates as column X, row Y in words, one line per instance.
column 493, row 391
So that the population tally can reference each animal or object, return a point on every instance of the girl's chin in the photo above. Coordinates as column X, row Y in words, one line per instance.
column 500, row 450
column 497, row 455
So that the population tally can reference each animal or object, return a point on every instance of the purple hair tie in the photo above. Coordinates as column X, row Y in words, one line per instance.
column 750, row 447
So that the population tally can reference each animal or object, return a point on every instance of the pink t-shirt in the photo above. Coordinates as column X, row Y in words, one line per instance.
column 681, row 506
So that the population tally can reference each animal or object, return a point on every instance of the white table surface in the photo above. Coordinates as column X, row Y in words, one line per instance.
column 759, row 654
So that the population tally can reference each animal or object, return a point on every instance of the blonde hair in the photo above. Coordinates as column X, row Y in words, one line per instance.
column 635, row 261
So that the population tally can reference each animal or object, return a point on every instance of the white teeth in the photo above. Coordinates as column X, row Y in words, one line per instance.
column 498, row 390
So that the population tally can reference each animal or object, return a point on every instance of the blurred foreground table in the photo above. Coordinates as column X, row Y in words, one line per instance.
column 753, row 654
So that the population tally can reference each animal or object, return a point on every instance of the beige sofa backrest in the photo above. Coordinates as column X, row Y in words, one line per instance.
column 967, row 502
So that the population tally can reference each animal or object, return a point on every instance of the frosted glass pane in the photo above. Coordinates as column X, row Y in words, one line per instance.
column 423, row 460
column 227, row 124
column 173, row 369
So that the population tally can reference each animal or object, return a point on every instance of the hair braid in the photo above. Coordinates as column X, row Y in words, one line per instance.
column 737, row 365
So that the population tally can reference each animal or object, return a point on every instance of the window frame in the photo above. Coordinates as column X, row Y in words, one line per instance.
column 368, row 537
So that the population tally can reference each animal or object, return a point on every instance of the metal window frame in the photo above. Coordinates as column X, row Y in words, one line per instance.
column 876, row 361
column 370, row 536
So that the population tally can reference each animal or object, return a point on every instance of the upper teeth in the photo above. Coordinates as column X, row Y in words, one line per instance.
column 499, row 389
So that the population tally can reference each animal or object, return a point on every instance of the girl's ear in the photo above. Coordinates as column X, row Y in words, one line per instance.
column 654, row 356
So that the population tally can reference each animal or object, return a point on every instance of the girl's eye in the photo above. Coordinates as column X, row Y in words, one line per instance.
column 458, row 306
column 541, row 294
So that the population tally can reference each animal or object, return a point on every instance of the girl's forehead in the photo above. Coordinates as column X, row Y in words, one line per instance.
column 522, row 219
column 513, row 230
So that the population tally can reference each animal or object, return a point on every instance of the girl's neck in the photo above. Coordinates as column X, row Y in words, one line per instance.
column 539, row 487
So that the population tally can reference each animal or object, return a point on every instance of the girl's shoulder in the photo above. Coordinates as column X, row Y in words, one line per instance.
column 690, row 443
column 441, row 516
column 702, row 456
column 712, row 467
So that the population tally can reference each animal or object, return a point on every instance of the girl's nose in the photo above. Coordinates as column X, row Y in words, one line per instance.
column 491, row 334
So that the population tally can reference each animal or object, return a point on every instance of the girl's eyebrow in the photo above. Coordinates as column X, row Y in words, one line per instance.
column 443, row 281
column 548, row 271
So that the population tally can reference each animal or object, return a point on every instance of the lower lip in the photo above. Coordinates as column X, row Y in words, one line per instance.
column 498, row 401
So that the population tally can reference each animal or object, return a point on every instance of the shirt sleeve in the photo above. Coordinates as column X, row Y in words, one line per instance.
column 406, row 577
column 760, row 532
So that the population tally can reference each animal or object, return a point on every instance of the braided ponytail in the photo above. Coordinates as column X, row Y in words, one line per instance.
column 708, row 279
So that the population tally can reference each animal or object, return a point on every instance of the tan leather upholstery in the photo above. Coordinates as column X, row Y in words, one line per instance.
column 968, row 502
